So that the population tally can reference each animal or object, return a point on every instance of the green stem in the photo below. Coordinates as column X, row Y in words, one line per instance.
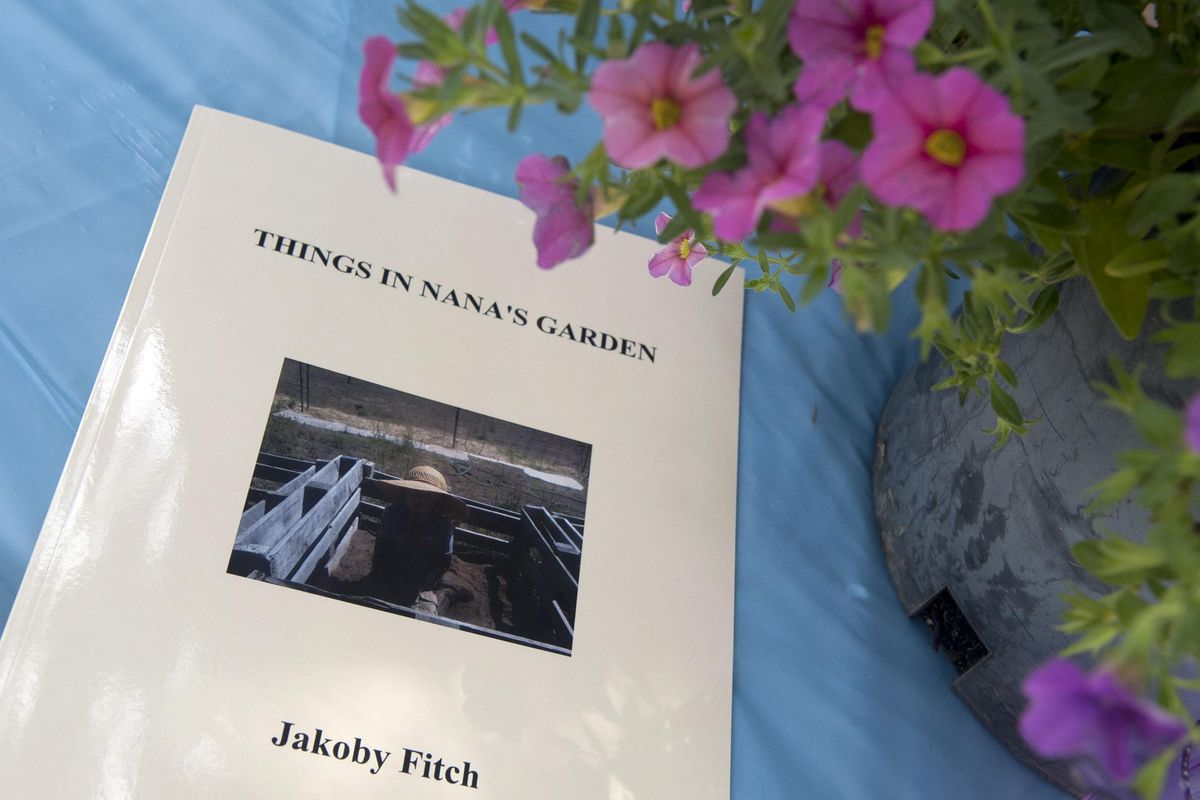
column 968, row 55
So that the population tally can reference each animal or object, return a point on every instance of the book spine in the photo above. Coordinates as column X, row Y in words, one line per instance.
column 24, row 617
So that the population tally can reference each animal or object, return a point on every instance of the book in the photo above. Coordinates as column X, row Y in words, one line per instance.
column 364, row 503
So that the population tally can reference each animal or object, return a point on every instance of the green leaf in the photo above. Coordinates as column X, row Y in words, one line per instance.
column 514, row 115
column 1079, row 49
column 1129, row 605
column 786, row 297
column 1114, row 489
column 687, row 216
column 1139, row 258
column 1185, row 108
column 1157, row 423
column 1124, row 299
column 485, row 20
column 585, row 29
column 536, row 46
column 762, row 262
column 932, row 291
column 1007, row 372
column 616, row 38
column 723, row 279
column 1178, row 156
column 1122, row 22
column 849, row 205
column 1143, row 90
column 814, row 284
column 1163, row 199
column 854, row 129
column 1183, row 360
column 1044, row 305
column 1171, row 289
column 1151, row 778
column 445, row 47
column 1005, row 407
column 1093, row 641
column 1120, row 561
column 1053, row 216
column 508, row 48
column 636, row 205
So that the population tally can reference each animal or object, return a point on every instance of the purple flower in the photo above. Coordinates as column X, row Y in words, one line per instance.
column 1191, row 424
column 679, row 256
column 564, row 228
column 945, row 146
column 1074, row 714
column 783, row 157
column 654, row 108
column 848, row 45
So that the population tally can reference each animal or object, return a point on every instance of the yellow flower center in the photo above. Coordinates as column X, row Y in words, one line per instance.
column 419, row 111
column 946, row 147
column 665, row 112
column 802, row 205
column 685, row 248
column 874, row 41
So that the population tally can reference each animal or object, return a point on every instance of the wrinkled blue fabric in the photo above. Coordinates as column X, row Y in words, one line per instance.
column 836, row 693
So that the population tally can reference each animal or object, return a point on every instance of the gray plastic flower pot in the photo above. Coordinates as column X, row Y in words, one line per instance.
column 977, row 539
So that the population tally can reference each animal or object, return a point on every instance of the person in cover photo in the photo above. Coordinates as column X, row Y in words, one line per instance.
column 414, row 561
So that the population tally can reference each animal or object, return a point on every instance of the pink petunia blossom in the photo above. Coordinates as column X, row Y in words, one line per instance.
column 945, row 146
column 1191, row 424
column 1071, row 713
column 847, row 46
column 783, row 163
column 838, row 174
column 681, row 254
column 564, row 228
column 385, row 113
column 654, row 108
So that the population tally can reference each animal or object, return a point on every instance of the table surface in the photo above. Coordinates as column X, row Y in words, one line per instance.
column 836, row 693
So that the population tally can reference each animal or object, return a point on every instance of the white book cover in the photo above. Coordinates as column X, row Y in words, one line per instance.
column 364, row 504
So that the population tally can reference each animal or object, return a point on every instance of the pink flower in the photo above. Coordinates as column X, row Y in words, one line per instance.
column 563, row 229
column 835, row 275
column 679, row 256
column 1071, row 713
column 839, row 171
column 783, row 157
column 837, row 175
column 386, row 113
column 653, row 108
column 945, row 146
column 847, row 45
column 1191, row 424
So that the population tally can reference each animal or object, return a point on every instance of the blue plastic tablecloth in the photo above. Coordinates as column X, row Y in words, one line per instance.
column 836, row 693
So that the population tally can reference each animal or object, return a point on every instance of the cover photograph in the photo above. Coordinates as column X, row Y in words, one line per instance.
column 364, row 504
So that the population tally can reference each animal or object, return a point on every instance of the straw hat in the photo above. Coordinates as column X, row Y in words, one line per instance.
column 423, row 479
